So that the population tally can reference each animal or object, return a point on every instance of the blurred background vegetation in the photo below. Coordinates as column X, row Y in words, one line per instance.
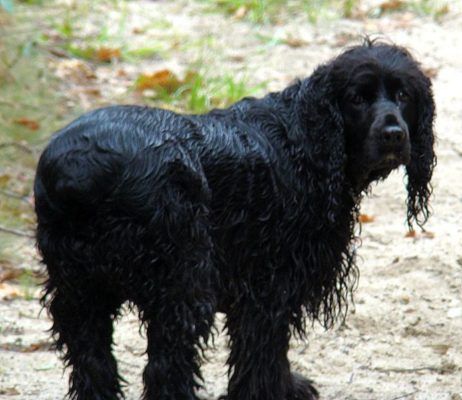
column 48, row 52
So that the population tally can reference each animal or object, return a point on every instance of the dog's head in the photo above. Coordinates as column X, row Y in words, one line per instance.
column 379, row 107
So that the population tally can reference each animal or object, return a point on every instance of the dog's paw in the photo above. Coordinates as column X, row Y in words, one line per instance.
column 302, row 389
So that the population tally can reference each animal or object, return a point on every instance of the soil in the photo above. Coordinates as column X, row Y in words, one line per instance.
column 403, row 338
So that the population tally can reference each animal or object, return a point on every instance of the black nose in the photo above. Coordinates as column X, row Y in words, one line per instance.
column 393, row 135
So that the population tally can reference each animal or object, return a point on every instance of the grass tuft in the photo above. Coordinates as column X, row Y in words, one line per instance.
column 197, row 92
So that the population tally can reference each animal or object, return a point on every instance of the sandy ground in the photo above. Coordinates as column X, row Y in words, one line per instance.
column 403, row 340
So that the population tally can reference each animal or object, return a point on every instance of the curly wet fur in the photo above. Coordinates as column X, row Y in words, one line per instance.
column 249, row 211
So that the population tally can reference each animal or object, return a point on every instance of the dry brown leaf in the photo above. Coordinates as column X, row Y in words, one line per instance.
column 431, row 72
column 391, row 5
column 28, row 123
column 8, row 292
column 137, row 30
column 295, row 42
column 366, row 219
column 92, row 91
column 425, row 234
column 107, row 54
column 42, row 345
column 121, row 73
column 23, row 348
column 163, row 79
column 10, row 274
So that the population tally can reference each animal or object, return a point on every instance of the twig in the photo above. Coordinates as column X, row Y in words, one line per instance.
column 405, row 395
column 16, row 196
column 20, row 146
column 16, row 232
column 11, row 194
column 17, row 104
column 406, row 370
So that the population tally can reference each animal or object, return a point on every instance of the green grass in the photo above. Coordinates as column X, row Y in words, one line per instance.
column 28, row 282
column 202, row 92
column 31, row 108
column 270, row 11
column 34, row 103
column 274, row 11
column 433, row 8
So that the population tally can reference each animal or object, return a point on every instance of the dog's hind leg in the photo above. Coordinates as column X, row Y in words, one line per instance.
column 82, row 327
column 176, row 300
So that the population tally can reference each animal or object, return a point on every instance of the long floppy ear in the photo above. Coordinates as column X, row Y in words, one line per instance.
column 318, row 129
column 423, row 159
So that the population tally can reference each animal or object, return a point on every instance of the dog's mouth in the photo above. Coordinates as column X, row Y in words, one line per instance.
column 381, row 168
column 391, row 161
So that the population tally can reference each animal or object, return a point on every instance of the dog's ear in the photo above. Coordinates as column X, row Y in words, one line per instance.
column 423, row 160
column 319, row 131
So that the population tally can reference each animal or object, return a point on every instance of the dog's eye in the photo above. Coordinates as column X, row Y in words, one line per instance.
column 402, row 96
column 357, row 99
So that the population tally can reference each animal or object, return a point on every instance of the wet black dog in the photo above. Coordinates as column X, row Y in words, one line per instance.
column 249, row 211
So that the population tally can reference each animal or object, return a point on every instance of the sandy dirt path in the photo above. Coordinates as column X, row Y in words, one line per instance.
column 404, row 338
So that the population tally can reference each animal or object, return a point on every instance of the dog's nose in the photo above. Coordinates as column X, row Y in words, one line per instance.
column 393, row 135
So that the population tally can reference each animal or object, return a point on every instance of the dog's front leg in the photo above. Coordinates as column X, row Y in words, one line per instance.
column 259, row 339
column 259, row 368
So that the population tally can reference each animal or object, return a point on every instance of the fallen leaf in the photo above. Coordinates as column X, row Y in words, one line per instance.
column 391, row 5
column 121, row 73
column 28, row 123
column 295, row 42
column 10, row 274
column 431, row 72
column 163, row 79
column 8, row 292
column 107, row 54
column 423, row 235
column 92, row 91
column 18, row 346
column 366, row 219
column 42, row 345
column 137, row 30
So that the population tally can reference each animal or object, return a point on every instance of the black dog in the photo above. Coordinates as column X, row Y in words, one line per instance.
column 249, row 211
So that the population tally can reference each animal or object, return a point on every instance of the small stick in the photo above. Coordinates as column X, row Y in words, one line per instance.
column 16, row 232
column 404, row 395
column 20, row 146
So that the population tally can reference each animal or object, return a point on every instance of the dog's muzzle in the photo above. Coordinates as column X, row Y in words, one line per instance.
column 391, row 137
